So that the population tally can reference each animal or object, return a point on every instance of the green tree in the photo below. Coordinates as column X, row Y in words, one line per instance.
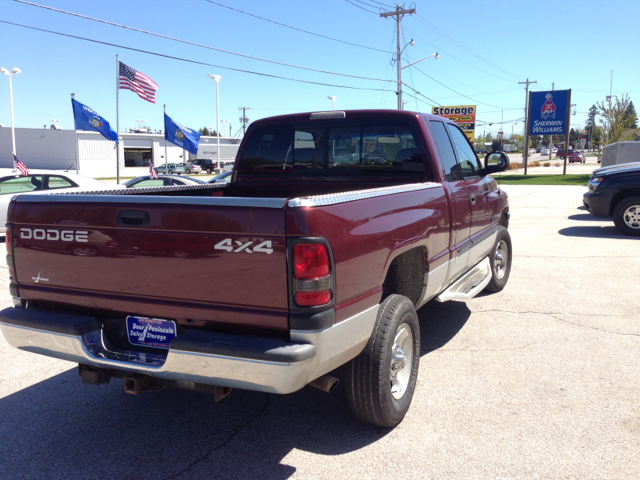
column 495, row 145
column 590, row 123
column 615, row 119
column 488, row 138
column 632, row 116
column 479, row 141
column 596, row 138
column 535, row 140
column 204, row 131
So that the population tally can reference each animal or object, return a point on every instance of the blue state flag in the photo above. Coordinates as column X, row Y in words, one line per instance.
column 87, row 119
column 182, row 136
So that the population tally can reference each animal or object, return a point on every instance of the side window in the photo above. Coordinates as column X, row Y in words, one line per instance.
column 446, row 150
column 468, row 161
column 12, row 186
column 60, row 182
column 150, row 183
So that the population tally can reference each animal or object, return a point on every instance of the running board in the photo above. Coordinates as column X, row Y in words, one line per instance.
column 469, row 285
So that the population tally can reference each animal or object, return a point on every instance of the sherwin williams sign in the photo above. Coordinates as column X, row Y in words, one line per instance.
column 548, row 112
column 463, row 115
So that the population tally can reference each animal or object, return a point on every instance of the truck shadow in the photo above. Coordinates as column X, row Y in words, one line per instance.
column 440, row 322
column 587, row 217
column 61, row 428
column 593, row 232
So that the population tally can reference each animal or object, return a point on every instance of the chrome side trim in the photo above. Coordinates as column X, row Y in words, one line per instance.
column 339, row 343
column 335, row 198
column 470, row 284
column 142, row 199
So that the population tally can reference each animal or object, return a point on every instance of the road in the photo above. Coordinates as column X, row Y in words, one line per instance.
column 538, row 381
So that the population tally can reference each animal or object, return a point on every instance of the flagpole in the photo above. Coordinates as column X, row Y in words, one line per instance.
column 75, row 127
column 117, row 119
column 166, row 159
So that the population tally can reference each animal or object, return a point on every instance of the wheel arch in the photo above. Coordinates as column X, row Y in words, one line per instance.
column 620, row 196
column 406, row 272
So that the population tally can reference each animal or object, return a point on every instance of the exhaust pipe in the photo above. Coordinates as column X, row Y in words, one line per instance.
column 326, row 383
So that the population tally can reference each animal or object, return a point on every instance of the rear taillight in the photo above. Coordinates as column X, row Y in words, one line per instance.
column 8, row 241
column 313, row 283
column 9, row 256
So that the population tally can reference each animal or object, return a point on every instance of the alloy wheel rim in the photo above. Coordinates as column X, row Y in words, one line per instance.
column 632, row 217
column 401, row 361
column 501, row 260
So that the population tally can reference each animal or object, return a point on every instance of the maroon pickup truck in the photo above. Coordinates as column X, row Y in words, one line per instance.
column 335, row 228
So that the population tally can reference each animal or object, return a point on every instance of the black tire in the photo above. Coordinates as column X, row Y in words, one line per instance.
column 187, row 171
column 500, row 266
column 626, row 216
column 372, row 395
column 209, row 171
column 170, row 172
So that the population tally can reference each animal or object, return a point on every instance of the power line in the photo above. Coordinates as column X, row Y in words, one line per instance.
column 455, row 42
column 194, row 61
column 295, row 28
column 453, row 56
column 362, row 8
column 198, row 44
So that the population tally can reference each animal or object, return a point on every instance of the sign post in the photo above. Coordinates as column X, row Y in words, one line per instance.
column 549, row 115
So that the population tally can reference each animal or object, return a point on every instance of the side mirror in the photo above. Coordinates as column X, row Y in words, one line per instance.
column 495, row 162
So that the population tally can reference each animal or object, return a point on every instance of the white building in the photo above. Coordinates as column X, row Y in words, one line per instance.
column 95, row 156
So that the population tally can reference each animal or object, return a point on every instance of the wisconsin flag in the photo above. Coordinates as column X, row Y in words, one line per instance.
column 87, row 119
column 182, row 136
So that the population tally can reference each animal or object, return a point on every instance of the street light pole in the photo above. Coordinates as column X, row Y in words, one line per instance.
column 217, row 79
column 13, row 72
column 333, row 99
column 224, row 127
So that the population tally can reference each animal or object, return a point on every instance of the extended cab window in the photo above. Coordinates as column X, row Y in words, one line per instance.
column 59, row 182
column 341, row 150
column 446, row 150
column 466, row 157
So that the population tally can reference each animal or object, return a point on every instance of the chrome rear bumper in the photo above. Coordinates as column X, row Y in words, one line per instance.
column 237, row 361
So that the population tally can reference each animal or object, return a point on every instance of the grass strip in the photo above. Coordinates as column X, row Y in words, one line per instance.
column 576, row 179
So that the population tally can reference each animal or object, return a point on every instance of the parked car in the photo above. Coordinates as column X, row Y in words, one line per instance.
column 544, row 151
column 539, row 149
column 43, row 181
column 190, row 168
column 555, row 150
column 163, row 181
column 208, row 165
column 614, row 191
column 304, row 266
column 170, row 168
column 560, row 152
column 577, row 157
column 223, row 177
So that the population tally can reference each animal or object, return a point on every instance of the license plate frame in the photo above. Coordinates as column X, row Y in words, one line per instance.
column 151, row 332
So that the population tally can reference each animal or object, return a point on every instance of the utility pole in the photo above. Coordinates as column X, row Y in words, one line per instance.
column 399, row 13
column 244, row 120
column 525, row 150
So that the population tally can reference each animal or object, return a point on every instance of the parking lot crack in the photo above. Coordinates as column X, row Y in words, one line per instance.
column 557, row 317
column 225, row 442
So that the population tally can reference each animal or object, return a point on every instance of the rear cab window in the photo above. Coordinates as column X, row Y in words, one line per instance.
column 383, row 147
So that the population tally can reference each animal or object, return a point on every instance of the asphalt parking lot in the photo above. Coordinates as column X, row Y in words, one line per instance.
column 541, row 380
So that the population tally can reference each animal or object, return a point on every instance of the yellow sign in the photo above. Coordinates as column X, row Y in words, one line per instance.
column 463, row 115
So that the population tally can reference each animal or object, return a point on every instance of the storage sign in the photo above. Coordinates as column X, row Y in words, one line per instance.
column 463, row 115
column 548, row 112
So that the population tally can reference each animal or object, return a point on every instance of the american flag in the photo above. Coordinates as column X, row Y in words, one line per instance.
column 130, row 79
column 18, row 165
column 152, row 171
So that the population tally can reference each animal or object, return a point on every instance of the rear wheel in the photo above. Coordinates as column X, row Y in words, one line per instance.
column 500, row 260
column 209, row 171
column 381, row 380
column 187, row 171
column 170, row 172
column 626, row 216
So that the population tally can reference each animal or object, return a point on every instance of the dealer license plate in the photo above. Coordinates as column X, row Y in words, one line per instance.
column 151, row 332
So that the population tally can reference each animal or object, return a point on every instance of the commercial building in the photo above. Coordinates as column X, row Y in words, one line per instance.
column 95, row 156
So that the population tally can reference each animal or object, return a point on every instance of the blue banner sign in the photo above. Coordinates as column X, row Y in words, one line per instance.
column 182, row 136
column 548, row 112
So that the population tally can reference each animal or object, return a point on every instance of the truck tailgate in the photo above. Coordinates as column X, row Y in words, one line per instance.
column 202, row 259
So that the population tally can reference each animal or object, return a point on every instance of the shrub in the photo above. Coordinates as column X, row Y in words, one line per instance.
column 558, row 164
column 534, row 164
column 514, row 166
column 546, row 164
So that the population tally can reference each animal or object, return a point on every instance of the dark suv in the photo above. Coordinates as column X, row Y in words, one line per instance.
column 206, row 164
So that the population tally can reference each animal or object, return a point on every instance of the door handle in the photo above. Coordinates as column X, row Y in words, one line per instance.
column 472, row 197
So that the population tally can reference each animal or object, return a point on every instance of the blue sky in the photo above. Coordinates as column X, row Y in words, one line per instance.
column 485, row 49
